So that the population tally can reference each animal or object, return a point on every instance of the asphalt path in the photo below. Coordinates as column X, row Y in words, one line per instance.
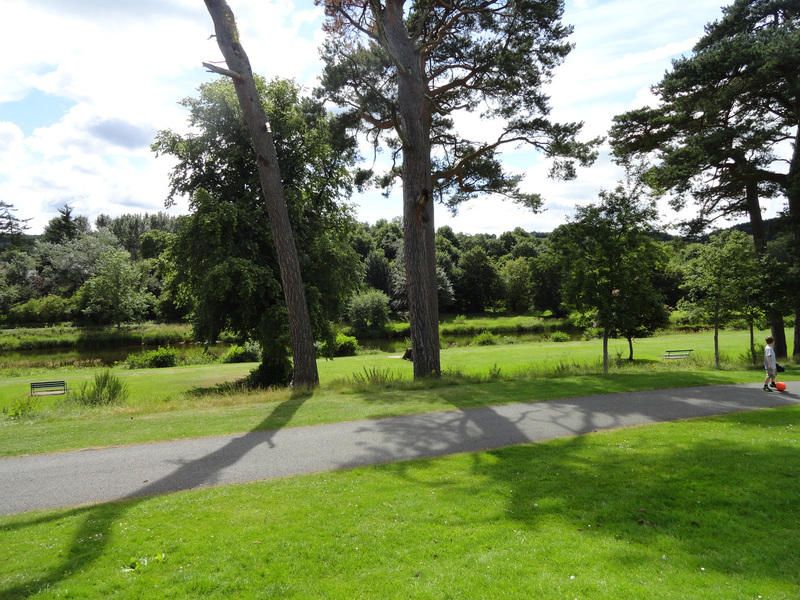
column 97, row 475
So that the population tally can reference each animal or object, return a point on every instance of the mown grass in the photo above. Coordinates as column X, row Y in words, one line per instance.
column 694, row 509
column 203, row 400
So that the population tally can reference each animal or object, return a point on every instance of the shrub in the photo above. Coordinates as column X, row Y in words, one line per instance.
column 48, row 309
column 460, row 319
column 21, row 409
column 153, row 359
column 368, row 311
column 106, row 389
column 559, row 336
column 344, row 345
column 486, row 338
column 250, row 351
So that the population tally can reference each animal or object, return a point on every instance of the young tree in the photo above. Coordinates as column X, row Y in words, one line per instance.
column 727, row 112
column 611, row 260
column 226, row 265
column 516, row 277
column 116, row 293
column 239, row 71
column 405, row 69
column 720, row 277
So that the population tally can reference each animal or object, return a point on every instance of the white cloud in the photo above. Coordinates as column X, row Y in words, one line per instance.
column 126, row 64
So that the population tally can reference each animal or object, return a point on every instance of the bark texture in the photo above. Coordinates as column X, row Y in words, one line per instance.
column 774, row 317
column 303, row 353
column 418, row 235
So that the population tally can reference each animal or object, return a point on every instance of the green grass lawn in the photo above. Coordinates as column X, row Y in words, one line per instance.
column 703, row 508
column 175, row 402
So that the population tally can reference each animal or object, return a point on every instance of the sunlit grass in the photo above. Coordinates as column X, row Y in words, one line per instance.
column 204, row 400
column 696, row 509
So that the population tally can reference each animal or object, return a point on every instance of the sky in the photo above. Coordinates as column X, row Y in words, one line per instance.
column 86, row 84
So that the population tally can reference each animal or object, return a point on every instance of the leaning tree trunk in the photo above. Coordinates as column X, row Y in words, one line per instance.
column 418, row 229
column 303, row 354
column 775, row 318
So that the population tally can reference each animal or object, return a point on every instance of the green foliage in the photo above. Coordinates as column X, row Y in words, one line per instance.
column 250, row 351
column 558, row 336
column 225, row 267
column 516, row 277
column 11, row 226
column 494, row 60
column 50, row 309
column 343, row 345
column 63, row 268
column 116, row 293
column 368, row 312
column 106, row 389
column 477, row 283
column 610, row 258
column 64, row 227
column 22, row 408
column 153, row 359
column 722, row 279
column 486, row 338
column 376, row 271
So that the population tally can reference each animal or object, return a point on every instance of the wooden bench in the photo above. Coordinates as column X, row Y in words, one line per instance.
column 668, row 354
column 48, row 388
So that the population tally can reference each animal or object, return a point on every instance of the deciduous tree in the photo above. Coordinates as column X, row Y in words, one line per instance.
column 611, row 260
column 225, row 258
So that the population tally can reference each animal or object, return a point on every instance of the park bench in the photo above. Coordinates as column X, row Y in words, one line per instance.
column 48, row 388
column 668, row 354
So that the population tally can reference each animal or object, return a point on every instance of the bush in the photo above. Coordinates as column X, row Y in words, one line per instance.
column 250, row 351
column 486, row 338
column 153, row 359
column 559, row 336
column 344, row 345
column 21, row 409
column 368, row 311
column 106, row 389
column 48, row 309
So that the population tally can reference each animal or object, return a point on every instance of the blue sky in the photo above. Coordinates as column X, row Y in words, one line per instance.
column 85, row 84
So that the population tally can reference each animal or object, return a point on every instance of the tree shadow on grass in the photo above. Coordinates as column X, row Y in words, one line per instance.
column 705, row 495
column 98, row 520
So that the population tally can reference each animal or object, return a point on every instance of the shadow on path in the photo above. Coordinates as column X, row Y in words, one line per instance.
column 98, row 519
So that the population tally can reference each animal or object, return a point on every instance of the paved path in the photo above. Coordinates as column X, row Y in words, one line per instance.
column 85, row 476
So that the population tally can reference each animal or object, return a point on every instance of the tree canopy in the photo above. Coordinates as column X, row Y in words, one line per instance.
column 405, row 70
column 610, row 259
column 225, row 259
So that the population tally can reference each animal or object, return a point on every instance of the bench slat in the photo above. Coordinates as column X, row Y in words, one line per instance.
column 46, row 388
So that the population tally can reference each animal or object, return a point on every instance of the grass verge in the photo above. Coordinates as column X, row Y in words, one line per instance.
column 200, row 400
column 695, row 509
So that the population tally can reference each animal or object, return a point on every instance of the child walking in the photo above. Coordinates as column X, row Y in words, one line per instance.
column 770, row 364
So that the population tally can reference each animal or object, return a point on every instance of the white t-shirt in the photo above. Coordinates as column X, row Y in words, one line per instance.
column 769, row 358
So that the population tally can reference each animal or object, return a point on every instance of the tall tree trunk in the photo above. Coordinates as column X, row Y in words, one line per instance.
column 418, row 227
column 630, row 348
column 716, row 343
column 752, row 340
column 605, row 351
column 793, row 194
column 303, row 354
column 775, row 318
